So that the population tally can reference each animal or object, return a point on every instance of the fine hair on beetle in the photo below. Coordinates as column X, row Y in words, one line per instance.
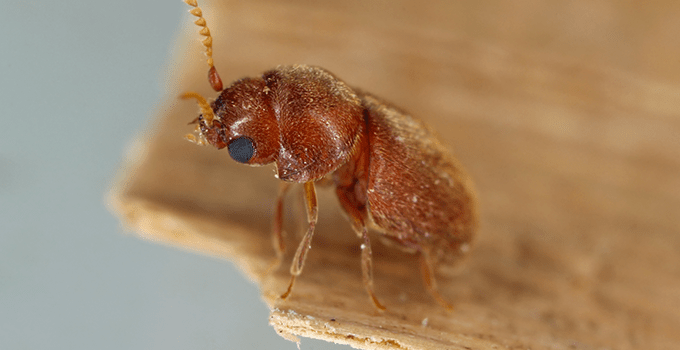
column 389, row 171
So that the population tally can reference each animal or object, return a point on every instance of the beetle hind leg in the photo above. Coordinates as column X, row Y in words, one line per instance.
column 427, row 272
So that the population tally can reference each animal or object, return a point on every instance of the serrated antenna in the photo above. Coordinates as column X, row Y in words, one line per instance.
column 213, row 77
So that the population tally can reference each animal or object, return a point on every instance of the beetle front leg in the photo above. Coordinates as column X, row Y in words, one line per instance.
column 277, row 228
column 306, row 243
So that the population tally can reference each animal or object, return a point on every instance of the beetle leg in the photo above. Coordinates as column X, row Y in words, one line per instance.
column 277, row 227
column 306, row 243
column 367, row 267
column 366, row 254
column 427, row 271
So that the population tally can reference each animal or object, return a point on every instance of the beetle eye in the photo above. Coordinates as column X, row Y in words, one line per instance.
column 241, row 149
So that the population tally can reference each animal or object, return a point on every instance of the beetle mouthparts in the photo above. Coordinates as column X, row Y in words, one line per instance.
column 206, row 110
column 206, row 118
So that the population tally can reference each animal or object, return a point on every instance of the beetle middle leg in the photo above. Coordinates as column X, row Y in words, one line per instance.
column 346, row 200
column 305, row 244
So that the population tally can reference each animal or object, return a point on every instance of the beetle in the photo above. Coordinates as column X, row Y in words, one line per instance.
column 389, row 171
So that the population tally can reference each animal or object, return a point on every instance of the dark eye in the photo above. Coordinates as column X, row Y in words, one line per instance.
column 241, row 149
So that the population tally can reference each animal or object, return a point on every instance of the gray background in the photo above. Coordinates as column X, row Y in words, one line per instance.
column 79, row 80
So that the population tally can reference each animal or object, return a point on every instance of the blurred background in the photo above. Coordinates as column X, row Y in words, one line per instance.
column 79, row 81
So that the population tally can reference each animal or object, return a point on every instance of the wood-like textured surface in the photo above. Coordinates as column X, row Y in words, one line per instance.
column 565, row 115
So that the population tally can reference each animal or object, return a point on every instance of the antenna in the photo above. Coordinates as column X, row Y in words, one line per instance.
column 213, row 77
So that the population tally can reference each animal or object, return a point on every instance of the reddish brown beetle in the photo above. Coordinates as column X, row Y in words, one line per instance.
column 388, row 169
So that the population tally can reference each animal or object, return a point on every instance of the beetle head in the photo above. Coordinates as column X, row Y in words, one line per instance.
column 242, row 120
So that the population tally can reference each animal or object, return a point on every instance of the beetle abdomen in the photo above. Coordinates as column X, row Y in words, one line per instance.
column 418, row 194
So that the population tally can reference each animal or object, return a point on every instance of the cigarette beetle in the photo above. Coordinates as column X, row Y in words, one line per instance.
column 388, row 169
